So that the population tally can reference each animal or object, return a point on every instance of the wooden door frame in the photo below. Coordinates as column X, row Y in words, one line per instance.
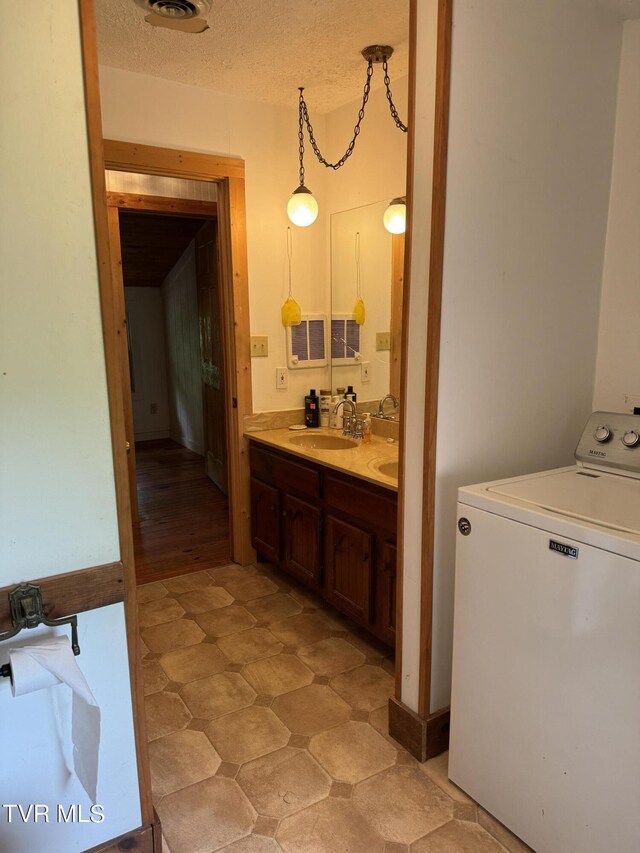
column 228, row 174
column 423, row 733
column 162, row 205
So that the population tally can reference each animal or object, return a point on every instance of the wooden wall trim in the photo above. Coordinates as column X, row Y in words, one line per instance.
column 404, row 352
column 434, row 316
column 139, row 840
column 154, row 160
column 114, row 389
column 72, row 592
column 397, row 302
column 422, row 737
column 161, row 204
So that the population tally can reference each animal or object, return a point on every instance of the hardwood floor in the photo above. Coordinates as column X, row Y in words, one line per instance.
column 184, row 518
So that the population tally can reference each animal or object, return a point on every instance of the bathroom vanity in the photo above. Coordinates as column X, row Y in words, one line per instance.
column 328, row 516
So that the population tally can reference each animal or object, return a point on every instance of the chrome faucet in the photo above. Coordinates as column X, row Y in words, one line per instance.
column 349, row 420
column 396, row 405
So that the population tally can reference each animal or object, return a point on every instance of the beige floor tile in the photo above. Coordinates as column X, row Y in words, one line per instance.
column 232, row 572
column 165, row 713
column 181, row 759
column 304, row 596
column 331, row 657
column 272, row 608
column 283, row 782
column 365, row 688
column 437, row 770
column 154, row 677
column 248, row 588
column 211, row 697
column 192, row 662
column 250, row 645
column 185, row 583
column 144, row 648
column 172, row 635
column 150, row 592
column 158, row 611
column 500, row 832
column 254, row 844
column 302, row 629
column 332, row 826
column 206, row 816
column 457, row 837
column 402, row 804
column 165, row 846
column 207, row 598
column 247, row 734
column 379, row 719
column 352, row 752
column 368, row 645
column 225, row 621
column 311, row 709
column 276, row 675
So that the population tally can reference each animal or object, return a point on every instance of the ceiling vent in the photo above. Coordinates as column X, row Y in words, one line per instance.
column 187, row 16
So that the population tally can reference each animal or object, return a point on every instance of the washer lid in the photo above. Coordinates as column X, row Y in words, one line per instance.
column 608, row 500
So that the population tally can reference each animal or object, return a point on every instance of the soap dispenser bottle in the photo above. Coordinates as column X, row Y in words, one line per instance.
column 312, row 409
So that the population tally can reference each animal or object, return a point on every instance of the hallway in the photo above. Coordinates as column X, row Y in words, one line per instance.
column 184, row 518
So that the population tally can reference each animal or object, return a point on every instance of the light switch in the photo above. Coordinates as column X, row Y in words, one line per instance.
column 383, row 341
column 259, row 346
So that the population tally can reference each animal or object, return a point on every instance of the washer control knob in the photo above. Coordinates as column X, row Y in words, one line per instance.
column 602, row 434
column 631, row 438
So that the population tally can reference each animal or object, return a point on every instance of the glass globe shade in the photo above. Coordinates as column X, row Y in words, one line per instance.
column 395, row 217
column 302, row 208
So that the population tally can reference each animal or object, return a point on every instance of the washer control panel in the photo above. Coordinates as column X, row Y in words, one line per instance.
column 611, row 440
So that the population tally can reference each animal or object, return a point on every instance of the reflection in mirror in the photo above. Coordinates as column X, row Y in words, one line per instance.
column 367, row 263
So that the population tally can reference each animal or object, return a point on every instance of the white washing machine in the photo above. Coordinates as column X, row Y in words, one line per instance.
column 545, row 707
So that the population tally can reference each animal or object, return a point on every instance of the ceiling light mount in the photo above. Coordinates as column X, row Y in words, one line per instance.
column 377, row 53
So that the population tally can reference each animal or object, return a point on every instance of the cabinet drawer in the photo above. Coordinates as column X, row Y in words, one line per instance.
column 361, row 501
column 283, row 472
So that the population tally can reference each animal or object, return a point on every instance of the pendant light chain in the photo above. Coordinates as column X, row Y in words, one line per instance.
column 301, row 137
column 304, row 115
column 392, row 107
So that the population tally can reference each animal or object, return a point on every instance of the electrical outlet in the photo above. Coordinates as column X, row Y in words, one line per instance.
column 259, row 346
column 365, row 371
column 383, row 341
column 282, row 377
column 153, row 408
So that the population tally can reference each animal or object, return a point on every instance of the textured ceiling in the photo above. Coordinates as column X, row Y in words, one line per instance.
column 263, row 49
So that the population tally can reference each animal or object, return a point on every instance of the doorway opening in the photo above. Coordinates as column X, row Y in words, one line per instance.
column 174, row 385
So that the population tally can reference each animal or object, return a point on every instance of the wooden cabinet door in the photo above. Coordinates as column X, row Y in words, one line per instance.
column 348, row 568
column 265, row 520
column 301, row 540
column 386, row 592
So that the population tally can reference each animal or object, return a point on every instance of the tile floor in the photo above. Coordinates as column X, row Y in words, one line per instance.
column 267, row 721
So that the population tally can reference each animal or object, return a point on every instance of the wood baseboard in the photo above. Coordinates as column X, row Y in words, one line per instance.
column 145, row 839
column 423, row 737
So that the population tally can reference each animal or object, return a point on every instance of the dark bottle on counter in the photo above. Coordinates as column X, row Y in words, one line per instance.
column 312, row 409
column 351, row 394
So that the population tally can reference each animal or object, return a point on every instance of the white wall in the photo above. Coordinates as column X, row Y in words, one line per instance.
column 57, row 496
column 184, row 362
column 139, row 108
column 618, row 365
column 530, row 148
column 145, row 322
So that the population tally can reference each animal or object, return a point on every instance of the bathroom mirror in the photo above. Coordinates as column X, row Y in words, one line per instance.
column 367, row 270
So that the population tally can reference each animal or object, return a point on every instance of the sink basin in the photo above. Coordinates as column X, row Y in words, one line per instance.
column 389, row 469
column 323, row 442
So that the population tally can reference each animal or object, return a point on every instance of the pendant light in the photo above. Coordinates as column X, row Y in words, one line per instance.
column 395, row 216
column 302, row 208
